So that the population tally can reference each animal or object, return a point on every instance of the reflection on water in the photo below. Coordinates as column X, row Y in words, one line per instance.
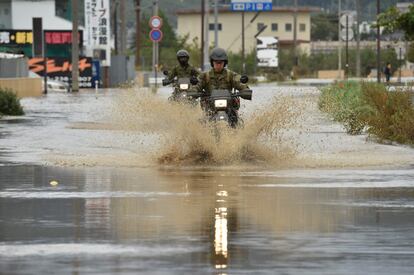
column 220, row 231
column 186, row 221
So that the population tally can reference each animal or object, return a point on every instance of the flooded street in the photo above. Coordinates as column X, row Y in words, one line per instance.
column 116, row 183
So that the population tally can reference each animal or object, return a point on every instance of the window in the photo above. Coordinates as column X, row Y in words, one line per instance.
column 211, row 26
column 288, row 27
column 274, row 27
column 260, row 26
column 302, row 27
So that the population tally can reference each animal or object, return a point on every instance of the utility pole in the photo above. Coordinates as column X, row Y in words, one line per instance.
column 378, row 45
column 115, row 24
column 155, row 48
column 75, row 46
column 243, row 46
column 346, row 47
column 358, row 37
column 123, row 27
column 206, row 35
column 295, row 38
column 202, row 35
column 138, row 33
column 339, row 42
column 216, row 23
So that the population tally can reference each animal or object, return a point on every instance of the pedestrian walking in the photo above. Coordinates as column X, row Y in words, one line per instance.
column 387, row 72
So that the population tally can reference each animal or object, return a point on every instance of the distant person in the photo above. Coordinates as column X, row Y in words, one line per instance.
column 183, row 68
column 387, row 72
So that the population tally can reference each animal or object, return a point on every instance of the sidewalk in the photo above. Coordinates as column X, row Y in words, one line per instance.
column 405, row 81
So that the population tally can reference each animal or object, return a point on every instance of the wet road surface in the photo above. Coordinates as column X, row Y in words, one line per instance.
column 103, row 218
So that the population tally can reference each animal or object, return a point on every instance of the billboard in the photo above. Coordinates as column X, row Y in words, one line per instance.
column 97, row 29
column 25, row 37
column 60, row 69
column 267, row 51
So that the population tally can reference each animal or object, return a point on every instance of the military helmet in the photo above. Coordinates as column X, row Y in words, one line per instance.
column 218, row 54
column 183, row 57
column 182, row 53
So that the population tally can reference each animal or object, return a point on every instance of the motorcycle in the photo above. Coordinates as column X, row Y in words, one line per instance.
column 182, row 87
column 221, row 106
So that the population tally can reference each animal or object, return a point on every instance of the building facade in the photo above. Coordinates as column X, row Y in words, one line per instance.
column 17, row 14
column 279, row 24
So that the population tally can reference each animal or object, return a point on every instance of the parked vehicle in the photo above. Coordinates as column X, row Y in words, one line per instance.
column 56, row 86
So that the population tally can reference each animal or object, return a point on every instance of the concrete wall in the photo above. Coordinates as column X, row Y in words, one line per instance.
column 23, row 87
column 331, row 74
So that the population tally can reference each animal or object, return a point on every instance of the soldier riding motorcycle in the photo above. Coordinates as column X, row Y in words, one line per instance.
column 220, row 90
column 181, row 77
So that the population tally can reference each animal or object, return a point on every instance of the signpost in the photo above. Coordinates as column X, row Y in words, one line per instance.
column 155, row 22
column 155, row 35
column 251, row 5
column 347, row 34
column 248, row 6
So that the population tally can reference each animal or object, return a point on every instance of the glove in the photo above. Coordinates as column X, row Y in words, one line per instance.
column 165, row 82
column 193, row 80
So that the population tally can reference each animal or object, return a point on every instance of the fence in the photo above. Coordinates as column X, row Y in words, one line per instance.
column 14, row 67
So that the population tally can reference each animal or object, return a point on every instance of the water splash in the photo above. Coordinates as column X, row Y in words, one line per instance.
column 185, row 139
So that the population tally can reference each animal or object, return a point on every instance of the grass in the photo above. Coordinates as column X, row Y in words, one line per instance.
column 370, row 107
column 9, row 103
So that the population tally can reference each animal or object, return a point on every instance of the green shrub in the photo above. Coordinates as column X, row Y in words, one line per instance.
column 386, row 115
column 393, row 113
column 9, row 103
column 345, row 103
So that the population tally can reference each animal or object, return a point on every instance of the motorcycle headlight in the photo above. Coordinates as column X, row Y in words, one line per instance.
column 184, row 86
column 220, row 103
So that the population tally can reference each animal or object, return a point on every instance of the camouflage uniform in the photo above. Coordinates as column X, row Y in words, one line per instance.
column 224, row 80
column 182, row 71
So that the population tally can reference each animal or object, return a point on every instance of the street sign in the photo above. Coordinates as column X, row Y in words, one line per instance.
column 155, row 22
column 342, row 20
column 155, row 35
column 251, row 5
column 350, row 34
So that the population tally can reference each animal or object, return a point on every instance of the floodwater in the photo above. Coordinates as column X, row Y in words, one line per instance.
column 113, row 184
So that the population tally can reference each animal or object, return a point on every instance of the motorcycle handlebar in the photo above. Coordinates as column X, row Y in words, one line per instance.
column 245, row 94
column 166, row 82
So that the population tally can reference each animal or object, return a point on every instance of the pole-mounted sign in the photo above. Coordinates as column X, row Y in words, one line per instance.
column 155, row 35
column 155, row 23
column 251, row 5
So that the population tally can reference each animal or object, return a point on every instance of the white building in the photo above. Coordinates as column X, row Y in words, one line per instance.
column 18, row 14
column 279, row 22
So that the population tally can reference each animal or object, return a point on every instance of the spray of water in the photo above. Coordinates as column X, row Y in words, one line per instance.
column 185, row 138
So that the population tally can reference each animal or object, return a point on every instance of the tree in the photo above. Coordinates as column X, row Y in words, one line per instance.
column 393, row 20
column 168, row 46
column 324, row 27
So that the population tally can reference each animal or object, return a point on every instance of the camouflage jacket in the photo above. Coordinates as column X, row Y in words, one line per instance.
column 226, row 80
column 179, row 71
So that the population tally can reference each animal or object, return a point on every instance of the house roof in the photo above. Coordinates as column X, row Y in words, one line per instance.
column 274, row 10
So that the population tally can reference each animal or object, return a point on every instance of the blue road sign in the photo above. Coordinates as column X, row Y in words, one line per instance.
column 156, row 35
column 251, row 6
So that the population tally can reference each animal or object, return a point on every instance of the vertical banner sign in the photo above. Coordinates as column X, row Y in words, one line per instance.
column 97, row 30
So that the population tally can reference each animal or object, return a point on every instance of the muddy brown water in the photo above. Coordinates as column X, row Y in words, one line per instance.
column 133, row 196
